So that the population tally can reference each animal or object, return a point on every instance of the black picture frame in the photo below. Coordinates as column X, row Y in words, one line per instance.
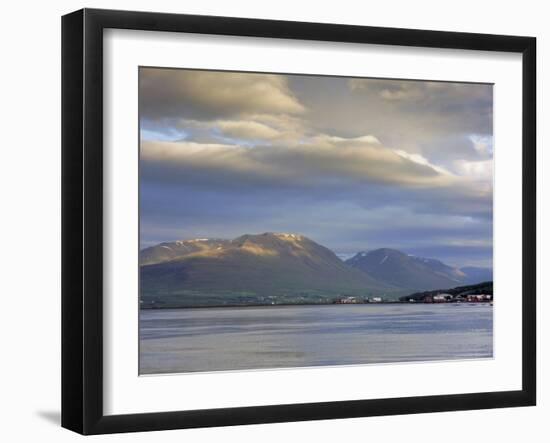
column 82, row 219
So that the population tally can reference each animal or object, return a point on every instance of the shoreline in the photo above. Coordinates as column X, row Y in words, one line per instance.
column 286, row 305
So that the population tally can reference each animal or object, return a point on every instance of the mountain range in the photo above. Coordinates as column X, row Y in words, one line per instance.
column 410, row 272
column 274, row 268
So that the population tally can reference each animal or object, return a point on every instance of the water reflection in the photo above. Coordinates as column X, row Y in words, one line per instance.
column 213, row 339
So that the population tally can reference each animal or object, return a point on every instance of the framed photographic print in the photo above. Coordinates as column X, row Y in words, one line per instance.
column 269, row 221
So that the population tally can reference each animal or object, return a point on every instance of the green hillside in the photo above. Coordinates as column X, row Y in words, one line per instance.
column 252, row 269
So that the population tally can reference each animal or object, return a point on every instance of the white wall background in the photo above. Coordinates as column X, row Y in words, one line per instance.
column 30, row 219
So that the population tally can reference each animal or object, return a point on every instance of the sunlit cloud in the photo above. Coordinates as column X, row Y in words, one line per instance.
column 482, row 169
column 178, row 93
column 322, row 159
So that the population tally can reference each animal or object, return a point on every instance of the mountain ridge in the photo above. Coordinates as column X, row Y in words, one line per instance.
column 252, row 268
column 273, row 268
column 415, row 273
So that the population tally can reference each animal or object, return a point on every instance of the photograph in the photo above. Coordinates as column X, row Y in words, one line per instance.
column 291, row 220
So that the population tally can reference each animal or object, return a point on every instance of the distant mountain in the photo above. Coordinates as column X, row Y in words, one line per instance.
column 263, row 268
column 475, row 274
column 479, row 288
column 396, row 268
column 437, row 266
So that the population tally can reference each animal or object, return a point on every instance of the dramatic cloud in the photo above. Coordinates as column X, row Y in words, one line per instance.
column 177, row 93
column 247, row 129
column 323, row 159
column 433, row 120
column 224, row 154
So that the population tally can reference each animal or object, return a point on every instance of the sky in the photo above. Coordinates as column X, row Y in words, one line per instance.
column 352, row 163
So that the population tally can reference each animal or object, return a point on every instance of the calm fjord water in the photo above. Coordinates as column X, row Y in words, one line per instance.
column 216, row 339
